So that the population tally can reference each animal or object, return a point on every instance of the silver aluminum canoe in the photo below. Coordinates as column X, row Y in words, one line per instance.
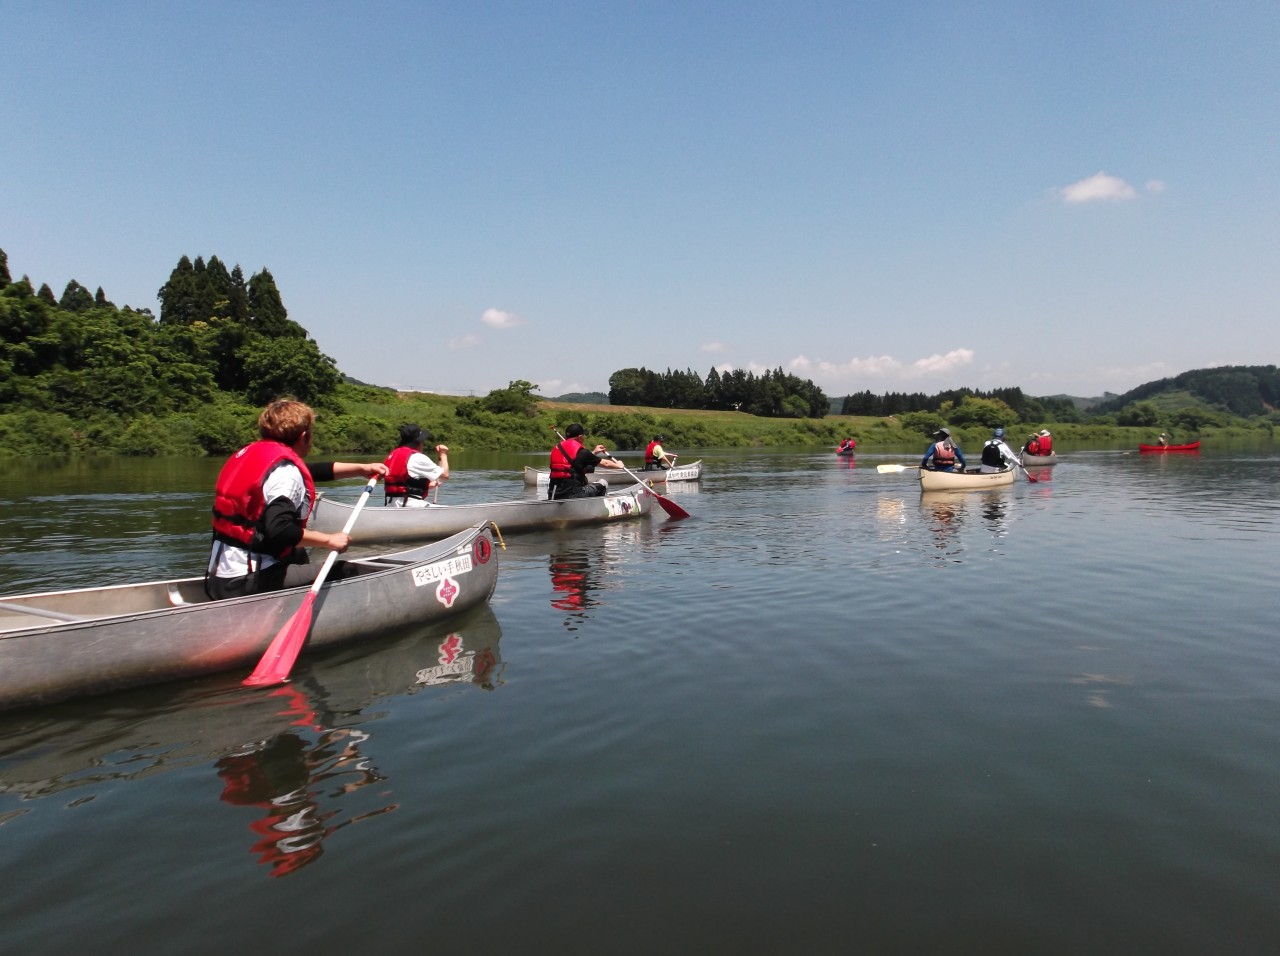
column 540, row 477
column 963, row 481
column 1041, row 461
column 376, row 524
column 62, row 644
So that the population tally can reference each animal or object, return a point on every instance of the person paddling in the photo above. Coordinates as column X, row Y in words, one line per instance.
column 996, row 455
column 411, row 472
column 571, row 463
column 262, row 499
column 943, row 454
column 655, row 457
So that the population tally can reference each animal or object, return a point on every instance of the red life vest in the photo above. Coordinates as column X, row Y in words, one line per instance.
column 562, row 466
column 399, row 484
column 1046, row 445
column 1033, row 446
column 649, row 457
column 944, row 453
column 238, row 499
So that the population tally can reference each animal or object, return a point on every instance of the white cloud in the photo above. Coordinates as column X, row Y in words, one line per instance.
column 715, row 347
column 884, row 368
column 465, row 342
column 943, row 363
column 1098, row 188
column 498, row 319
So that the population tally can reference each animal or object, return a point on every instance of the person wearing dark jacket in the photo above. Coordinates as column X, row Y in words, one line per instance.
column 571, row 463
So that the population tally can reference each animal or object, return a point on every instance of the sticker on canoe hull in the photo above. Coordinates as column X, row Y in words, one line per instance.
column 619, row 505
column 450, row 567
column 447, row 592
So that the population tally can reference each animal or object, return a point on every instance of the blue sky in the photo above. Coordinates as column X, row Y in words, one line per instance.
column 1070, row 198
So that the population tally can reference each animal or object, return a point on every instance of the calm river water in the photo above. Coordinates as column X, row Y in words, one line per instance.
column 827, row 714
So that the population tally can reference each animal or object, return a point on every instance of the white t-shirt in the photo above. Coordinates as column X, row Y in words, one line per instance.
column 419, row 466
column 229, row 561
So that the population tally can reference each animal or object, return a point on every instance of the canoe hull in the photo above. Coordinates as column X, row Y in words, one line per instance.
column 378, row 524
column 95, row 640
column 1038, row 461
column 541, row 477
column 1189, row 446
column 963, row 481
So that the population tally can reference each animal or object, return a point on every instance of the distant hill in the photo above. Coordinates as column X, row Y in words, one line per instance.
column 582, row 398
column 1243, row 390
column 1084, row 404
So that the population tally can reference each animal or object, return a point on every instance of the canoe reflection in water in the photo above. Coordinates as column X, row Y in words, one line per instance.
column 572, row 581
column 471, row 659
column 299, row 757
column 287, row 776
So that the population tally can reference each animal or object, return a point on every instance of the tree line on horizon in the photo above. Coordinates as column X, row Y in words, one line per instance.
column 775, row 394
column 223, row 344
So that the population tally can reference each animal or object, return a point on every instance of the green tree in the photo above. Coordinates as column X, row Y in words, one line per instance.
column 516, row 399
column 287, row 366
column 75, row 298
column 1139, row 414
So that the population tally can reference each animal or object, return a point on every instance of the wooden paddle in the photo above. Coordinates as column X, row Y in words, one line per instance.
column 283, row 650
column 669, row 506
column 887, row 469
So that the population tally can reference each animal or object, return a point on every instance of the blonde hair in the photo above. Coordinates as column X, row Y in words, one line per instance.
column 285, row 420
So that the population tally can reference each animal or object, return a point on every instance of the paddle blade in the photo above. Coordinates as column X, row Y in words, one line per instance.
column 670, row 507
column 887, row 469
column 278, row 660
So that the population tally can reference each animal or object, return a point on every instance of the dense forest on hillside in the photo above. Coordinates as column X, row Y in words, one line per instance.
column 79, row 374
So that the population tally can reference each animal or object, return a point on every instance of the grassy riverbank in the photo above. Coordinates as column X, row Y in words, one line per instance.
column 364, row 420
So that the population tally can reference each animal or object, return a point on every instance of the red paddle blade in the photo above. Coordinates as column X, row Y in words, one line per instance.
column 278, row 660
column 669, row 506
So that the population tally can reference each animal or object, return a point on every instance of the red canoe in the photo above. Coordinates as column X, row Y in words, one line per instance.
column 1189, row 446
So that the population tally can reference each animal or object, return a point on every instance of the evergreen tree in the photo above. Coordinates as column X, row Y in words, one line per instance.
column 266, row 308
column 75, row 298
column 45, row 295
column 4, row 270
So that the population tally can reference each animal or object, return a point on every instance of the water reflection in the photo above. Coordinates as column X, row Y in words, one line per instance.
column 460, row 659
column 947, row 512
column 288, row 777
column 573, row 579
column 299, row 755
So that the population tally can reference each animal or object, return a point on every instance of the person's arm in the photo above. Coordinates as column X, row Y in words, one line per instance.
column 442, row 452
column 350, row 469
column 282, row 529
column 598, row 459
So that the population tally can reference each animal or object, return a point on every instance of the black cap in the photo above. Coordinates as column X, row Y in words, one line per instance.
column 412, row 434
column 574, row 431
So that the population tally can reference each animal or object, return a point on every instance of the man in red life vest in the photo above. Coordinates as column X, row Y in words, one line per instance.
column 943, row 454
column 1032, row 447
column 655, row 457
column 263, row 497
column 571, row 463
column 1046, row 442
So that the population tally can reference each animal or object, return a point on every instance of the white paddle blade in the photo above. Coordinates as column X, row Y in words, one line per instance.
column 887, row 469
